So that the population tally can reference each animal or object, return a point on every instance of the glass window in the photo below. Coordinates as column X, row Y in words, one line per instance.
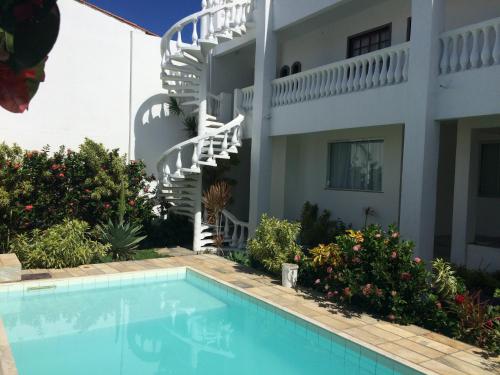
column 489, row 172
column 369, row 41
column 356, row 165
column 284, row 71
column 296, row 67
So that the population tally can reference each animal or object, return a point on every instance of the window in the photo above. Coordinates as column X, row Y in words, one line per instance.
column 408, row 29
column 369, row 41
column 489, row 171
column 284, row 71
column 356, row 165
column 296, row 67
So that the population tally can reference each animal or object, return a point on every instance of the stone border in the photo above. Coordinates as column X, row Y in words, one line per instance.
column 7, row 363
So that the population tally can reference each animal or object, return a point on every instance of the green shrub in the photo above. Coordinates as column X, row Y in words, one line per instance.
column 481, row 280
column 63, row 245
column 274, row 243
column 318, row 229
column 176, row 230
column 377, row 271
column 445, row 282
column 39, row 189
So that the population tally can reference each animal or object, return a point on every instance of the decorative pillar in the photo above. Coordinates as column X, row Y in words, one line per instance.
column 265, row 72
column 421, row 135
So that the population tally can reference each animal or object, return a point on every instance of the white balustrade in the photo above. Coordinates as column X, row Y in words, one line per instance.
column 235, row 231
column 470, row 47
column 384, row 67
column 247, row 98
column 214, row 105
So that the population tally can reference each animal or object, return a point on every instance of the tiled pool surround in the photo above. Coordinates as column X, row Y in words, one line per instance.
column 428, row 352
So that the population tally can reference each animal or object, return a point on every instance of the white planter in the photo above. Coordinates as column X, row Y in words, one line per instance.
column 289, row 273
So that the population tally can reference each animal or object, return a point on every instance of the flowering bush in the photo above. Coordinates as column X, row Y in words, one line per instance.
column 39, row 189
column 377, row 271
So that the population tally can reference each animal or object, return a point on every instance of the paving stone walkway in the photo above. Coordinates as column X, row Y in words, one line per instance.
column 430, row 352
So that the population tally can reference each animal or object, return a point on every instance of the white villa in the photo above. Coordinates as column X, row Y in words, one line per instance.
column 392, row 105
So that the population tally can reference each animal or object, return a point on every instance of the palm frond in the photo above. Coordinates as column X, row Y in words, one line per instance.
column 175, row 107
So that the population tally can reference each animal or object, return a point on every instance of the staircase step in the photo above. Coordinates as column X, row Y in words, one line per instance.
column 183, row 68
column 190, row 103
column 214, row 124
column 194, row 51
column 208, row 164
column 224, row 37
column 186, row 60
column 183, row 95
column 207, row 45
column 174, row 78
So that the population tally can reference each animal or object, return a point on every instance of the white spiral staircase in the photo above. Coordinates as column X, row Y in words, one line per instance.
column 184, row 76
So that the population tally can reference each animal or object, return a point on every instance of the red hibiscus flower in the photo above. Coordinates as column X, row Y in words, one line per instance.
column 106, row 205
column 459, row 299
column 28, row 208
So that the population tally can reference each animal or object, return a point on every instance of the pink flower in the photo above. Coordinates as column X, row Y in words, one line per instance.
column 395, row 235
column 61, row 175
column 297, row 258
column 131, row 202
column 347, row 292
column 329, row 269
column 356, row 247
column 28, row 208
column 378, row 235
column 318, row 281
column 418, row 260
column 394, row 255
column 54, row 167
column 146, row 190
column 459, row 299
column 367, row 290
column 489, row 324
column 106, row 205
column 438, row 305
column 329, row 295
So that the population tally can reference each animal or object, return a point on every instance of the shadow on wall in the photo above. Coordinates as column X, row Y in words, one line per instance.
column 155, row 131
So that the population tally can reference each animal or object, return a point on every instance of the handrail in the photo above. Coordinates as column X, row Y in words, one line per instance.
column 167, row 37
column 342, row 62
column 235, row 122
column 380, row 68
column 234, row 219
column 491, row 22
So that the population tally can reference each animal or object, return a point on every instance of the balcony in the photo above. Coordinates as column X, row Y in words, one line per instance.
column 469, row 70
column 349, row 93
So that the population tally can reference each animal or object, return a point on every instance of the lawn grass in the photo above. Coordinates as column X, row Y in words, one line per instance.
column 139, row 255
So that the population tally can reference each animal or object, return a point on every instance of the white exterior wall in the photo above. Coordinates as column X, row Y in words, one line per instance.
column 460, row 13
column 88, row 90
column 323, row 40
column 305, row 178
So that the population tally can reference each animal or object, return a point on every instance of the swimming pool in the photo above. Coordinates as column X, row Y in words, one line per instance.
column 169, row 322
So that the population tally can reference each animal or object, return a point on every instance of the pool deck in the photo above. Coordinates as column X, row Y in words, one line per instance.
column 422, row 349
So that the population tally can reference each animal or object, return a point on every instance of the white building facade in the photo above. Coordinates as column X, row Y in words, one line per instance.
column 392, row 105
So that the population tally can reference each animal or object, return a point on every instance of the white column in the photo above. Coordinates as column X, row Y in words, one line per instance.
column 202, row 118
column 265, row 72
column 421, row 138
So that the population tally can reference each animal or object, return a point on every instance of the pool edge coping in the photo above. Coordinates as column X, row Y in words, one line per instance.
column 8, row 367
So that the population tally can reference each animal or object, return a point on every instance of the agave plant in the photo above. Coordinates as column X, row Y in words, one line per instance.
column 124, row 238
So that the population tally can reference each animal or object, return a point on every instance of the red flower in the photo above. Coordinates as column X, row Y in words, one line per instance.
column 329, row 269
column 54, row 167
column 438, row 305
column 87, row 190
column 394, row 255
column 17, row 166
column 106, row 205
column 28, row 208
column 459, row 299
column 489, row 324
column 131, row 202
column 61, row 175
column 405, row 276
column 297, row 258
column 347, row 292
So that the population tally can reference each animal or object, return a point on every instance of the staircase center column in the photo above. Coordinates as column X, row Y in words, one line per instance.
column 202, row 119
column 265, row 72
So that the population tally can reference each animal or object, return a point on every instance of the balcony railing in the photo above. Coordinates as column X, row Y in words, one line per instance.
column 384, row 67
column 244, row 98
column 470, row 47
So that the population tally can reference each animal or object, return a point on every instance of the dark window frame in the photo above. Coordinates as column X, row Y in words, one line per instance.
column 408, row 29
column 480, row 188
column 365, row 33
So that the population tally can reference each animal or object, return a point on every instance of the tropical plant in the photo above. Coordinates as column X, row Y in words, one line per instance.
column 123, row 238
column 215, row 199
column 275, row 243
column 190, row 123
column 63, row 245
column 444, row 279
column 318, row 228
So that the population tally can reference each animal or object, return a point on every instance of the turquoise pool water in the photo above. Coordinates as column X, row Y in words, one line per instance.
column 171, row 323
